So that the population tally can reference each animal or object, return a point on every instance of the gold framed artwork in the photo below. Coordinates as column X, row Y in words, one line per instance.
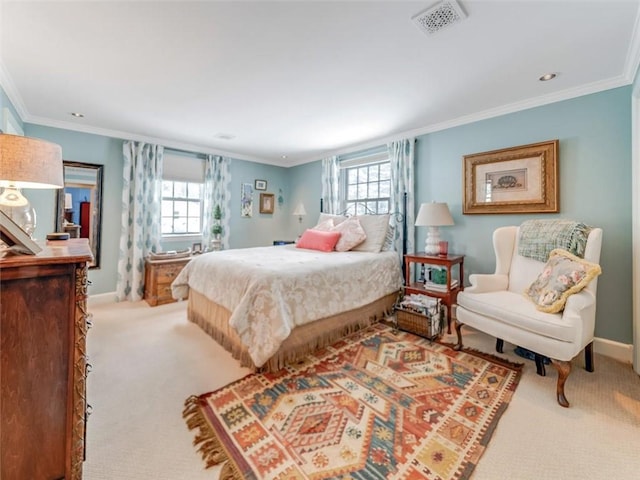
column 520, row 179
column 266, row 202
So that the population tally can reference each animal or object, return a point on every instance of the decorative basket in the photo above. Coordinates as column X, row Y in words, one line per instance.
column 428, row 324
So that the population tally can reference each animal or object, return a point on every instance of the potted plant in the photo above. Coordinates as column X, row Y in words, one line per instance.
column 216, row 228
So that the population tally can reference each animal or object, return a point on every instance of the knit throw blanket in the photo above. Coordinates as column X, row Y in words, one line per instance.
column 539, row 237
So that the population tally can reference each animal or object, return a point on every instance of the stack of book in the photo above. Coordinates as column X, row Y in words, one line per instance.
column 439, row 287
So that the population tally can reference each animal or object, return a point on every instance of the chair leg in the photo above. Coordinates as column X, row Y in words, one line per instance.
column 458, row 345
column 564, row 369
column 499, row 345
column 588, row 358
column 540, row 370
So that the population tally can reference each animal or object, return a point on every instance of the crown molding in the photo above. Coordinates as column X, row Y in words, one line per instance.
column 567, row 94
column 12, row 92
column 171, row 144
column 632, row 62
column 633, row 53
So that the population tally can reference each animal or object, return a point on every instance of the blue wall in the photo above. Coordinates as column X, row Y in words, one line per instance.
column 595, row 186
column 261, row 228
column 594, row 176
column 96, row 149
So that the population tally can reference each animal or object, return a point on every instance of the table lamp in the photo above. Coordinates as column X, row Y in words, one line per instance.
column 27, row 163
column 433, row 215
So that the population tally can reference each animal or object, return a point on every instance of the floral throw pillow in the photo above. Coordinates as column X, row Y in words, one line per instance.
column 563, row 275
column 352, row 234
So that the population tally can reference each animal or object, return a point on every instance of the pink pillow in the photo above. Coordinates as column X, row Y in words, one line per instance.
column 318, row 240
column 352, row 234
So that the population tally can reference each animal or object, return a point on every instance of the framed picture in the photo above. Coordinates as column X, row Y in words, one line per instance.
column 246, row 200
column 513, row 180
column 266, row 202
column 260, row 184
column 196, row 248
column 17, row 240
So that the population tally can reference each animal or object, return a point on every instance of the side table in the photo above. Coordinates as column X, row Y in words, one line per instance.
column 448, row 294
column 158, row 276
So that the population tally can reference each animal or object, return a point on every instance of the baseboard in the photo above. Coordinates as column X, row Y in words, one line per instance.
column 616, row 350
column 101, row 299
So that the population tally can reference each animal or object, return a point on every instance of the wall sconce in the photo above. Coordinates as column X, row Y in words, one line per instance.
column 433, row 215
column 26, row 163
column 300, row 212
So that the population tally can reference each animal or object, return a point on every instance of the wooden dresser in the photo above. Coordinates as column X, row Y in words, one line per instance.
column 43, row 363
column 158, row 276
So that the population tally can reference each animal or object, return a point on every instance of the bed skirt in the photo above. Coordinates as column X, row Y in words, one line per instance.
column 214, row 320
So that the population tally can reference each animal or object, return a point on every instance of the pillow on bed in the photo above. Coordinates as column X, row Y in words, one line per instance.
column 318, row 240
column 328, row 216
column 352, row 234
column 325, row 226
column 375, row 226
column 388, row 245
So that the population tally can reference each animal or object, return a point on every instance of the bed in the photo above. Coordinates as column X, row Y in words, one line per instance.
column 270, row 306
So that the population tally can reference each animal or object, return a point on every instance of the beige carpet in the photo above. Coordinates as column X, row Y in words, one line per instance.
column 146, row 361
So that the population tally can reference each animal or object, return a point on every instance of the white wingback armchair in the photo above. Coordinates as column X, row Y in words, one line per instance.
column 495, row 304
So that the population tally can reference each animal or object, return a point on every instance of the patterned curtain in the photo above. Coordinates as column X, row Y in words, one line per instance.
column 330, row 184
column 217, row 191
column 141, row 216
column 401, row 155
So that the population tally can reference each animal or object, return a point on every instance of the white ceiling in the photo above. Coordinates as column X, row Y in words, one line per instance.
column 302, row 79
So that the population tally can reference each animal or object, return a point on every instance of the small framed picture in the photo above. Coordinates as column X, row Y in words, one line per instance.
column 266, row 203
column 16, row 239
column 260, row 185
column 196, row 248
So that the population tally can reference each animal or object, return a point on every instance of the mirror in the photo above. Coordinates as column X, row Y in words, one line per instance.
column 79, row 205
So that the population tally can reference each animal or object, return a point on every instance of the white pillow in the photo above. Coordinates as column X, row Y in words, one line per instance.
column 328, row 216
column 352, row 234
column 324, row 226
column 375, row 226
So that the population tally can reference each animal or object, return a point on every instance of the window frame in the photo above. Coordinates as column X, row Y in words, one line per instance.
column 187, row 235
column 355, row 163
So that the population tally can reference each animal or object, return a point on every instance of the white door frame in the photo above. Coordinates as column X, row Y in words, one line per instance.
column 635, row 216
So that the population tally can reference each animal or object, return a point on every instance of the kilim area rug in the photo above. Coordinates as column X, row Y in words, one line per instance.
column 380, row 404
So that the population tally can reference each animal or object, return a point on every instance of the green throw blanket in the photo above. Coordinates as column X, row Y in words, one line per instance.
column 539, row 237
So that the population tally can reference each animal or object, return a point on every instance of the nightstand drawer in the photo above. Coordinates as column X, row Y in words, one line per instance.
column 158, row 277
column 168, row 273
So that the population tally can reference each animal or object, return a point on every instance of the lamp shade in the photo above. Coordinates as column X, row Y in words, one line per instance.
column 434, row 215
column 299, row 210
column 30, row 163
column 68, row 201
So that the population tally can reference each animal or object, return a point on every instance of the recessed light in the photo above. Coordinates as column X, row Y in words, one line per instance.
column 76, row 114
column 547, row 76
column 283, row 157
column 225, row 136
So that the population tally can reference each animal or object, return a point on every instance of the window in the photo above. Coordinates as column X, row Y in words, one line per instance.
column 366, row 186
column 181, row 208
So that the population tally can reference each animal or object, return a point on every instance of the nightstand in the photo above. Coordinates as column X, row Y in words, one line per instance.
column 158, row 276
column 447, row 293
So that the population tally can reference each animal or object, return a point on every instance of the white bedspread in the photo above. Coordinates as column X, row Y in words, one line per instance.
column 271, row 290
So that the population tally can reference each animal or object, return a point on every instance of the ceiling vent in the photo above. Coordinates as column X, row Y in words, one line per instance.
column 439, row 16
